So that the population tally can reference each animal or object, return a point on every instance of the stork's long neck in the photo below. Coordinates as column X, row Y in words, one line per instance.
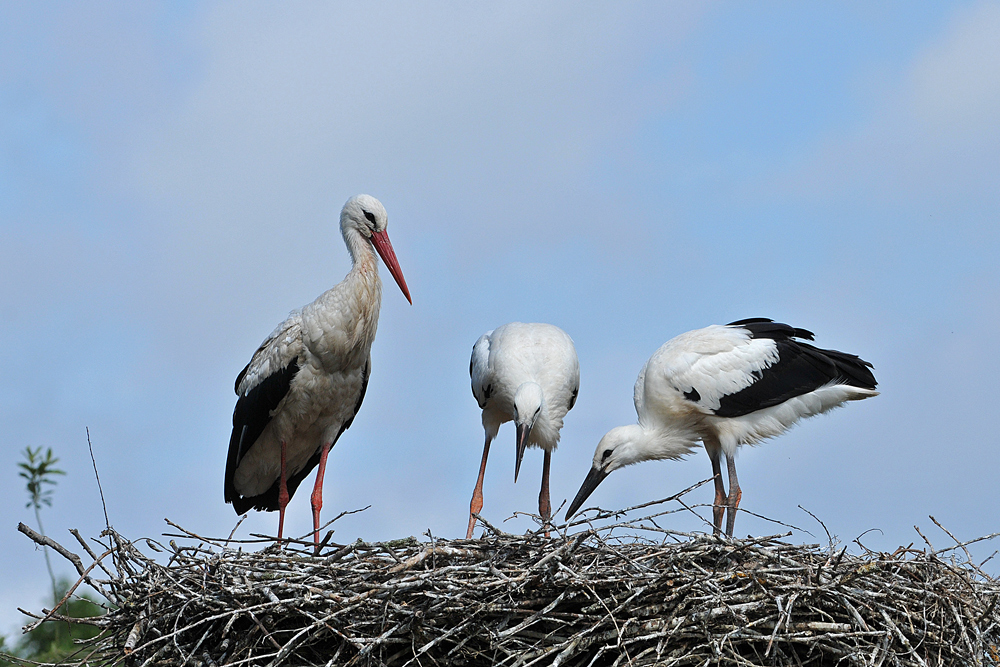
column 660, row 441
column 547, row 427
column 363, row 276
column 363, row 285
column 363, row 257
column 339, row 326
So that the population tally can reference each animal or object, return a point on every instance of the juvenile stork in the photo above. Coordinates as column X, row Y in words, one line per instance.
column 528, row 374
column 727, row 386
column 305, row 383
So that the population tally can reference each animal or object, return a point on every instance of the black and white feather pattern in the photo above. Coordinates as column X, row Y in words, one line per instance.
column 797, row 368
column 727, row 386
column 746, row 381
column 285, row 393
column 305, row 383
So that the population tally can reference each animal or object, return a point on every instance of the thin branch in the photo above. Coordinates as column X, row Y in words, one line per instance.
column 628, row 592
column 100, row 489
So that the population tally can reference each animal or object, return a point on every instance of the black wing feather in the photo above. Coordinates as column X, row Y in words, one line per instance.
column 251, row 415
column 800, row 369
column 268, row 501
column 761, row 327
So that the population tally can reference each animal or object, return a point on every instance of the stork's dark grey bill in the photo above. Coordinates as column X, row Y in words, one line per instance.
column 594, row 477
column 522, row 443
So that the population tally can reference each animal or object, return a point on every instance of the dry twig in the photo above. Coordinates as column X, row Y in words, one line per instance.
column 618, row 594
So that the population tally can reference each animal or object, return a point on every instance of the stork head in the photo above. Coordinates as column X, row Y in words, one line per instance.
column 618, row 448
column 367, row 216
column 528, row 400
column 626, row 445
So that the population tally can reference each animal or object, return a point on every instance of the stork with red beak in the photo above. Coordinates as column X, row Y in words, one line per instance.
column 305, row 383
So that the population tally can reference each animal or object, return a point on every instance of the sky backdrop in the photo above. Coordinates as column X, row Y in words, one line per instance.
column 170, row 181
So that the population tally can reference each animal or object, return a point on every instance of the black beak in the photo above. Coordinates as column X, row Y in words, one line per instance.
column 594, row 477
column 522, row 443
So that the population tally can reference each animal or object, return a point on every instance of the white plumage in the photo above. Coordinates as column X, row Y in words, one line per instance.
column 727, row 386
column 306, row 381
column 528, row 374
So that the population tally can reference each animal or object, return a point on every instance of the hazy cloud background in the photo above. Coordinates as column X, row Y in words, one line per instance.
column 171, row 175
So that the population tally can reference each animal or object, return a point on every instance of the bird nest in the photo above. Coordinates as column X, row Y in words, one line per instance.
column 623, row 593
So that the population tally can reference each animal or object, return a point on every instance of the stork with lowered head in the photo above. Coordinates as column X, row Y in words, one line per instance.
column 727, row 386
column 528, row 374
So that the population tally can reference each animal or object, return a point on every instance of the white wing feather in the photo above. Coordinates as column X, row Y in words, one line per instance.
column 279, row 349
column 479, row 368
column 715, row 361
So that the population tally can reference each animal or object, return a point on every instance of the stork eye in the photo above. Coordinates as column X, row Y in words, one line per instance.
column 370, row 216
column 606, row 454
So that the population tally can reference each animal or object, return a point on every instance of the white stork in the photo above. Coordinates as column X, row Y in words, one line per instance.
column 306, row 381
column 727, row 386
column 528, row 374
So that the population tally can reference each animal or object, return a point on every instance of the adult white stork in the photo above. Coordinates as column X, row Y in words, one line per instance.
column 528, row 374
column 727, row 386
column 306, row 381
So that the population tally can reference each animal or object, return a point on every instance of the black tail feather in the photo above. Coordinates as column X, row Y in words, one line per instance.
column 268, row 501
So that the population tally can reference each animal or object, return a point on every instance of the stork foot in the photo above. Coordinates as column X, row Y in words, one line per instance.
column 472, row 519
column 316, row 499
column 475, row 507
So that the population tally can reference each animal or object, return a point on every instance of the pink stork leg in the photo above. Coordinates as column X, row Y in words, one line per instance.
column 544, row 506
column 477, row 495
column 282, row 494
column 719, row 506
column 733, row 502
column 317, row 494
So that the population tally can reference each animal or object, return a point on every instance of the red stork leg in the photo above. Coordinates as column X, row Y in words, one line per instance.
column 733, row 502
column 282, row 494
column 544, row 506
column 477, row 495
column 719, row 506
column 317, row 494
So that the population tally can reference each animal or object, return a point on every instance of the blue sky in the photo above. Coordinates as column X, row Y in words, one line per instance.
column 171, row 176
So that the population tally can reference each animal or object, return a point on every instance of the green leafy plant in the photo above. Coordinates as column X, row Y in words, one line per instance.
column 39, row 470
column 53, row 641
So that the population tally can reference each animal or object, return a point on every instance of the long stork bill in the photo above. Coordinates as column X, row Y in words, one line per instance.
column 523, row 431
column 384, row 248
column 594, row 477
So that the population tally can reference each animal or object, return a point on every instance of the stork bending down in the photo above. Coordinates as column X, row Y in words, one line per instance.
column 528, row 374
column 306, row 381
column 727, row 386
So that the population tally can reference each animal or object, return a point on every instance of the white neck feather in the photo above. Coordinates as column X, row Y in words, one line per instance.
column 361, row 250
column 639, row 443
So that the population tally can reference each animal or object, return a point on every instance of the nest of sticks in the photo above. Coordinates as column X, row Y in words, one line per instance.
column 627, row 592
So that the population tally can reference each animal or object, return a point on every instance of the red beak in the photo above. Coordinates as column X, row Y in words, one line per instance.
column 384, row 248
